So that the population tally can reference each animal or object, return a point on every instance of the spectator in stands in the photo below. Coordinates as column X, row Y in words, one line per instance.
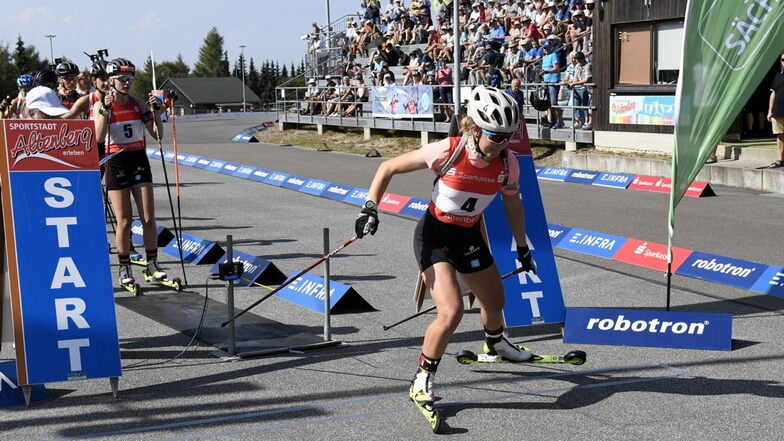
column 408, row 31
column 475, row 16
column 343, row 94
column 497, row 34
column 388, row 80
column 497, row 11
column 577, row 28
column 530, row 30
column 520, row 69
column 360, row 96
column 552, row 78
column 545, row 11
column 377, row 64
column 390, row 54
column 515, row 31
column 567, row 76
column 414, row 64
column 327, row 94
column 445, row 81
column 511, row 60
column 444, row 9
column 563, row 15
column 475, row 75
column 416, row 79
column 312, row 96
column 513, row 13
column 319, row 54
column 579, row 85
column 516, row 92
column 448, row 44
column 433, row 45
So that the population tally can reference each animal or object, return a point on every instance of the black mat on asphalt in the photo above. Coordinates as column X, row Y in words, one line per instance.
column 254, row 335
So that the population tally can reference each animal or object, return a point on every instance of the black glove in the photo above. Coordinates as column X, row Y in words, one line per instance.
column 526, row 259
column 367, row 222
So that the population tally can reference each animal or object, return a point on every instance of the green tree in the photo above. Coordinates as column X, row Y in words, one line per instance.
column 26, row 58
column 8, row 73
column 211, row 57
column 253, row 77
column 163, row 71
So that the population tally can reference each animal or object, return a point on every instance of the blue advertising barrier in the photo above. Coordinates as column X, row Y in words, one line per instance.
column 309, row 291
column 255, row 269
column 771, row 282
column 591, row 242
column 725, row 270
column 530, row 298
column 60, row 279
column 137, row 234
column 195, row 250
column 662, row 329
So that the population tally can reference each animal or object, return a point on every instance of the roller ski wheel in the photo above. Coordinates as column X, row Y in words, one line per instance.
column 572, row 357
column 132, row 288
column 175, row 283
column 431, row 414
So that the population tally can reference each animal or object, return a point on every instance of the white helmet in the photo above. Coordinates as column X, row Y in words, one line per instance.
column 493, row 110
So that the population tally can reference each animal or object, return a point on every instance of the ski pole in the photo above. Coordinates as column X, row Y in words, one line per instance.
column 291, row 279
column 465, row 294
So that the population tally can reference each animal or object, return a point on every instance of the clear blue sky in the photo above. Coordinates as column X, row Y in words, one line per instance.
column 270, row 30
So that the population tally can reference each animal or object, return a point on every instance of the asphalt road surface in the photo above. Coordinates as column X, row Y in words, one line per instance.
column 358, row 389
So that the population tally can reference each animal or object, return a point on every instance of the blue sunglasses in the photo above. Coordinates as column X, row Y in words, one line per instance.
column 498, row 138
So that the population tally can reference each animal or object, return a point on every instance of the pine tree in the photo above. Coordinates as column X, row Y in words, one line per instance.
column 253, row 78
column 212, row 62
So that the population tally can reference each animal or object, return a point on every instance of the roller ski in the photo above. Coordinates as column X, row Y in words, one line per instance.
column 505, row 352
column 421, row 393
column 154, row 274
column 127, row 281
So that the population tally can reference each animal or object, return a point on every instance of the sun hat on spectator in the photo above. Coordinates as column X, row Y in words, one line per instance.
column 312, row 81
column 45, row 100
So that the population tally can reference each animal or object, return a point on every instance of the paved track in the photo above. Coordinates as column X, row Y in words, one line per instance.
column 358, row 391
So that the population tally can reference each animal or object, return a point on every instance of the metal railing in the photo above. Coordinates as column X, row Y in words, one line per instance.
column 292, row 107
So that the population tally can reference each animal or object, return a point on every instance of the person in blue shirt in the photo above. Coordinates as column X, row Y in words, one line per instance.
column 551, row 76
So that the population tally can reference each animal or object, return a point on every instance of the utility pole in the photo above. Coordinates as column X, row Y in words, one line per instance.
column 51, row 49
column 242, row 66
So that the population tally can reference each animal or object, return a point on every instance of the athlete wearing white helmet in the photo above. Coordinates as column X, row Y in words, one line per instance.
column 122, row 120
column 448, row 240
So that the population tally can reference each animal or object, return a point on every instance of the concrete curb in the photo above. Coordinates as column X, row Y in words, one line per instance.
column 741, row 172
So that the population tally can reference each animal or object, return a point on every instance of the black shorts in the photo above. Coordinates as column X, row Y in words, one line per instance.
column 464, row 248
column 127, row 169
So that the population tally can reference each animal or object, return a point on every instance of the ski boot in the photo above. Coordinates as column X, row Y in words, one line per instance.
column 137, row 259
column 127, row 281
column 421, row 393
column 154, row 274
column 571, row 357
column 504, row 349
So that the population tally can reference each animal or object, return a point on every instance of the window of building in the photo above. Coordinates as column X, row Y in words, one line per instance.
column 648, row 54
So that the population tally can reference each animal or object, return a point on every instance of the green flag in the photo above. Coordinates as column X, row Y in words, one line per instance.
column 729, row 46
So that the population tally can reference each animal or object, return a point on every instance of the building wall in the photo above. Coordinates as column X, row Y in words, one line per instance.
column 607, row 17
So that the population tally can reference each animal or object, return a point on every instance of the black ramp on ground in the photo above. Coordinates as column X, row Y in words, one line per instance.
column 254, row 335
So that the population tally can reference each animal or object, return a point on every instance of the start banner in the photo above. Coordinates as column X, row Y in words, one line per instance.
column 60, row 282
